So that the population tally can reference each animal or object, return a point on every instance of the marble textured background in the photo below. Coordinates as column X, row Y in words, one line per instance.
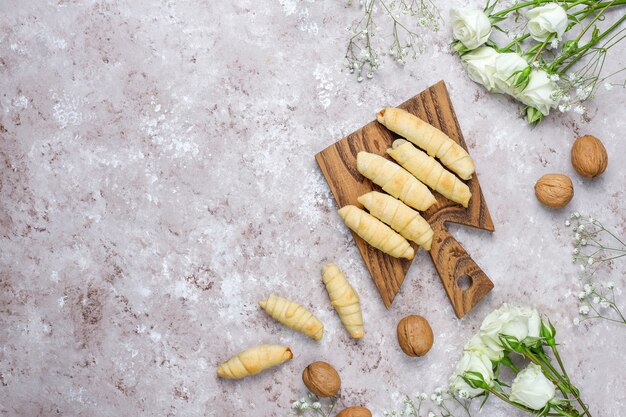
column 157, row 179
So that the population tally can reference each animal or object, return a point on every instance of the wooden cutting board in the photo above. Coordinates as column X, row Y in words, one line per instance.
column 465, row 283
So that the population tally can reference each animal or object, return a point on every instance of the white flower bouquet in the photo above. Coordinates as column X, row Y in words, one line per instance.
column 554, row 59
column 540, row 388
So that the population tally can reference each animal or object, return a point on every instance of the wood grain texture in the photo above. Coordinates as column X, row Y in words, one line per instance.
column 338, row 165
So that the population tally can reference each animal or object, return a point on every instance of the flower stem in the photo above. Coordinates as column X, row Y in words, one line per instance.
column 507, row 400
column 578, row 53
column 575, row 390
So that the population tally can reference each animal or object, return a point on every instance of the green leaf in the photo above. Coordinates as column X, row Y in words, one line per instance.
column 475, row 380
column 573, row 18
column 480, row 408
column 459, row 47
column 533, row 116
column 595, row 33
column 496, row 19
column 533, row 342
column 569, row 47
column 498, row 28
column 521, row 78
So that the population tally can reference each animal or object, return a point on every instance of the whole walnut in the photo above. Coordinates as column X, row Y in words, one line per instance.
column 321, row 379
column 415, row 335
column 589, row 156
column 554, row 190
column 354, row 412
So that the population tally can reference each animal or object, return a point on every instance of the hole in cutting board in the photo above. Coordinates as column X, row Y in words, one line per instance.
column 464, row 282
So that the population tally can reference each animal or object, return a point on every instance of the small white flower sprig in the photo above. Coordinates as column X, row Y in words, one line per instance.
column 595, row 246
column 313, row 406
column 405, row 19
column 513, row 330
column 445, row 405
column 555, row 61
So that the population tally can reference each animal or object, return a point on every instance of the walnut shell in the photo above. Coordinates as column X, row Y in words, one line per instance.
column 554, row 190
column 415, row 336
column 355, row 412
column 589, row 156
column 321, row 379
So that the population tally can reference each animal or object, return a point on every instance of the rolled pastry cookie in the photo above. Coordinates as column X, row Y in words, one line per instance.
column 402, row 218
column 344, row 298
column 376, row 233
column 395, row 180
column 293, row 315
column 430, row 172
column 429, row 138
column 254, row 360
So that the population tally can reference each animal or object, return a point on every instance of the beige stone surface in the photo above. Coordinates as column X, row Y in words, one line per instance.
column 157, row 179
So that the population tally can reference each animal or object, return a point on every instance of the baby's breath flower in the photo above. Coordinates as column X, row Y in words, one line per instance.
column 590, row 261
column 582, row 295
column 422, row 396
column 438, row 390
column 576, row 321
column 583, row 310
column 596, row 299
column 555, row 77
column 581, row 227
column 567, row 223
column 433, row 397
column 605, row 304
column 575, row 215
column 431, row 414
column 610, row 285
column 577, row 236
column 580, row 109
column 608, row 86
column 588, row 288
column 583, row 242
column 316, row 405
column 564, row 107
column 554, row 43
column 576, row 251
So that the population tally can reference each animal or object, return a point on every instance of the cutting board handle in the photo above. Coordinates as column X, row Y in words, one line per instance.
column 465, row 283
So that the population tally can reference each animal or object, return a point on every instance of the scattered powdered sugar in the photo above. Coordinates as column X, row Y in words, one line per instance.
column 67, row 109
column 326, row 87
column 172, row 135
column 289, row 6
column 20, row 102
column 304, row 24
column 315, row 198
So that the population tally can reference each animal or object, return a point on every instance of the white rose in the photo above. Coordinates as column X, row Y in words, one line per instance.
column 539, row 92
column 480, row 65
column 477, row 345
column 509, row 321
column 506, row 67
column 471, row 27
column 472, row 362
column 526, row 324
column 546, row 20
column 531, row 388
